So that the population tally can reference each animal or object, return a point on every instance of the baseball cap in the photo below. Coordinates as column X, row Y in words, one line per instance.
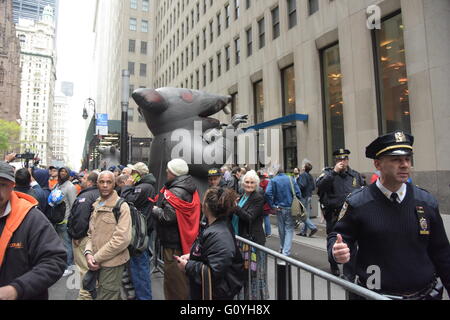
column 7, row 172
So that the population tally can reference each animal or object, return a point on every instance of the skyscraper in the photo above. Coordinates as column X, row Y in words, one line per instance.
column 32, row 9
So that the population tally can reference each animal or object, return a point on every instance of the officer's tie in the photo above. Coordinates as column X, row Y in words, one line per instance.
column 394, row 197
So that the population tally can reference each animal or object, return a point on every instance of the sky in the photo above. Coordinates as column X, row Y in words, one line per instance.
column 74, row 64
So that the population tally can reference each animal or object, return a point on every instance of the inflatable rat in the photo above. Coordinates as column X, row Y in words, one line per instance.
column 180, row 119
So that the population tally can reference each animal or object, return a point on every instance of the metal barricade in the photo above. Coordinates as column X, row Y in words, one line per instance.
column 283, row 279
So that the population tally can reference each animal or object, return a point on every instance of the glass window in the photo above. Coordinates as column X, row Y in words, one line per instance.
column 131, row 45
column 258, row 99
column 218, row 24
column 333, row 102
column 236, row 9
column 133, row 24
column 288, row 87
column 275, row 23
column 130, row 114
column 393, row 92
column 261, row 33
column 219, row 64
column 143, row 47
column 249, row 42
column 144, row 26
column 227, row 16
column 204, row 74
column 227, row 58
column 211, row 32
column 237, row 47
column 143, row 70
column 290, row 147
column 313, row 6
column 133, row 4
column 131, row 67
column 211, row 70
column 145, row 5
column 292, row 13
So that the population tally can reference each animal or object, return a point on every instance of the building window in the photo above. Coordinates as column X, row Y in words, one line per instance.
column 236, row 9
column 130, row 114
column 227, row 58
column 131, row 45
column 289, row 129
column 275, row 23
column 248, row 4
column 143, row 70
column 218, row 25
column 131, row 67
column 131, row 89
column 292, row 13
column 219, row 64
column 211, row 70
column 143, row 47
column 197, row 79
column 258, row 101
column 144, row 26
column 249, row 42
column 204, row 39
column 204, row 75
column 237, row 47
column 133, row 4
column 333, row 102
column 313, row 6
column 211, row 32
column 133, row 24
column 391, row 74
column 145, row 5
column 197, row 42
column 261, row 33
column 227, row 16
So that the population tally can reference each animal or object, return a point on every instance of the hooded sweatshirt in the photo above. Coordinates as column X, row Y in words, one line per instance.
column 69, row 190
column 42, row 192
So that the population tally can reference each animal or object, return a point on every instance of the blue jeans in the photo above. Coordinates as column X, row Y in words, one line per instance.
column 308, row 223
column 285, row 230
column 61, row 229
column 267, row 226
column 140, row 275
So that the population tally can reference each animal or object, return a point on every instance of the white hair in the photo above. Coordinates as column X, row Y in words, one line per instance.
column 106, row 173
column 252, row 175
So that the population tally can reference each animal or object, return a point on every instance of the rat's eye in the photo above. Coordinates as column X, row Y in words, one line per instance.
column 187, row 97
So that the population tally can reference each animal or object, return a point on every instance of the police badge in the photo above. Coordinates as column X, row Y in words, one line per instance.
column 343, row 211
column 423, row 224
column 400, row 137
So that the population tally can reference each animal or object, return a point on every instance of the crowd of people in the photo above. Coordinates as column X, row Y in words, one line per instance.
column 96, row 229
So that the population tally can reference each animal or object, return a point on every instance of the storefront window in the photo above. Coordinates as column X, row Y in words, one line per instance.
column 258, row 94
column 289, row 129
column 333, row 102
column 393, row 93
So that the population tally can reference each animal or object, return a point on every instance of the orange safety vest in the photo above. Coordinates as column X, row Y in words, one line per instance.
column 21, row 204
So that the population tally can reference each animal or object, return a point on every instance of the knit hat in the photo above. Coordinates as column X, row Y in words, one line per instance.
column 140, row 168
column 178, row 167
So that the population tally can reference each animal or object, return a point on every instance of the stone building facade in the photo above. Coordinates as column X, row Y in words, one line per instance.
column 10, row 71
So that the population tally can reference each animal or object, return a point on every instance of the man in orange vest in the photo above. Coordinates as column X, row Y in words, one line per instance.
column 32, row 256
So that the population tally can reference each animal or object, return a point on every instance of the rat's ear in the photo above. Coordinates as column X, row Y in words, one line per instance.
column 150, row 100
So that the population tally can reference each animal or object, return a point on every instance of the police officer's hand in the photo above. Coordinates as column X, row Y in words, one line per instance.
column 341, row 252
column 8, row 293
column 339, row 167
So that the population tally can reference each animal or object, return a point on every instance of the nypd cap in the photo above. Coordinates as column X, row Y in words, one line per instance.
column 341, row 153
column 214, row 172
column 396, row 143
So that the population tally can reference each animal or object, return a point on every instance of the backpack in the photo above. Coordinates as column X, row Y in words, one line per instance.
column 56, row 210
column 139, row 236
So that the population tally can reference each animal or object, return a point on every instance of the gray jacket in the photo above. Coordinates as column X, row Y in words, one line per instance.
column 70, row 195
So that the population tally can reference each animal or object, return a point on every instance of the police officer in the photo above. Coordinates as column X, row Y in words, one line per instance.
column 215, row 178
column 402, row 244
column 334, row 185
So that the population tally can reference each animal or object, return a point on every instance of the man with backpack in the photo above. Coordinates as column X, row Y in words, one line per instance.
column 137, row 191
column 78, row 224
column 69, row 195
column 109, row 236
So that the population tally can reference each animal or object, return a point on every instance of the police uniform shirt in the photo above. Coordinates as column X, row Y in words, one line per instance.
column 408, row 249
column 401, row 193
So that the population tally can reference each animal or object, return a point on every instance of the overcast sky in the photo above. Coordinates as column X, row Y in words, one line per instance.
column 74, row 64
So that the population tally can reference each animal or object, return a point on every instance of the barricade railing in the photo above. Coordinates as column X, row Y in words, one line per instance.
column 283, row 277
column 283, row 281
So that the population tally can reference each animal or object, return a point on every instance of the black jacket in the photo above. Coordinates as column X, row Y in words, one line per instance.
column 251, row 217
column 216, row 248
column 139, row 193
column 233, row 184
column 166, row 219
column 36, row 261
column 333, row 188
column 78, row 222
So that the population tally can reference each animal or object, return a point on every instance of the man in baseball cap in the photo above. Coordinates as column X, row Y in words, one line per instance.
column 31, row 254
column 215, row 178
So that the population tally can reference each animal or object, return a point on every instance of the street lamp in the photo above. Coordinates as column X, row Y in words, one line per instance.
column 124, row 123
column 91, row 103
